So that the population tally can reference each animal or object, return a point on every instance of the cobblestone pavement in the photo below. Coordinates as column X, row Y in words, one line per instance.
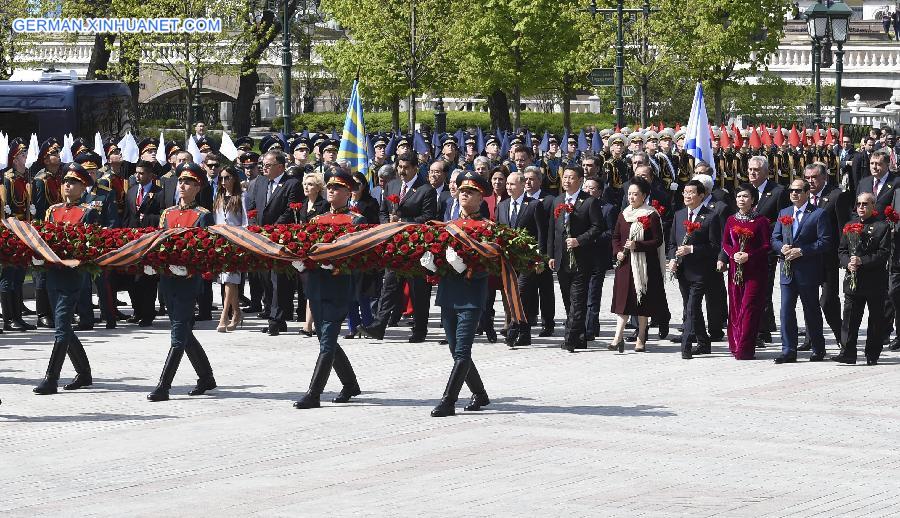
column 589, row 434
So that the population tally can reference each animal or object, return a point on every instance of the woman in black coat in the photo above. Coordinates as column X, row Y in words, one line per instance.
column 367, row 285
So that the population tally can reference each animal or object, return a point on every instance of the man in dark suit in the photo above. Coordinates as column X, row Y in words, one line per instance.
column 609, row 211
column 143, row 205
column 720, row 203
column 772, row 199
column 837, row 206
column 523, row 212
column 697, row 252
column 260, row 282
column 881, row 182
column 418, row 204
column 572, row 241
column 865, row 259
column 846, row 153
column 546, row 289
column 802, row 244
column 859, row 167
column 273, row 198
column 438, row 172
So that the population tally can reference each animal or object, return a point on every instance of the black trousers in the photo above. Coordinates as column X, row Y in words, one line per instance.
column 830, row 300
column 694, row 326
column 204, row 301
column 891, row 303
column 716, row 304
column 854, row 303
column 547, row 295
column 574, row 288
column 257, row 289
column 391, row 294
column 768, row 317
column 529, row 289
column 282, row 298
column 143, row 296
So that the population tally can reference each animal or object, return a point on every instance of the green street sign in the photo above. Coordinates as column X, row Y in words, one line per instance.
column 602, row 77
column 628, row 90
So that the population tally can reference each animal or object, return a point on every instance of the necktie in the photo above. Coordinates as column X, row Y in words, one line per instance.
column 796, row 224
column 691, row 215
column 454, row 212
column 815, row 200
column 269, row 190
column 568, row 202
column 515, row 214
column 140, row 197
column 876, row 187
column 402, row 193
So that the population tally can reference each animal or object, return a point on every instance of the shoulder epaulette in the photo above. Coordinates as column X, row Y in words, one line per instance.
column 103, row 187
column 201, row 209
column 42, row 174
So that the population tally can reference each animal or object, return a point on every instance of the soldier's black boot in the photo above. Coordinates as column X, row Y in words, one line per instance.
column 447, row 406
column 82, row 366
column 19, row 307
column 161, row 393
column 317, row 384
column 42, row 306
column 57, row 357
column 200, row 362
column 479, row 395
column 344, row 371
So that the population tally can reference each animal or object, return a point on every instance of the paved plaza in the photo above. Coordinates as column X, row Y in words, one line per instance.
column 589, row 434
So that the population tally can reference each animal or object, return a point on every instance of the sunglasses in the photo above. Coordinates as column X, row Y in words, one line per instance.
column 863, row 203
column 226, row 177
column 796, row 191
column 212, row 165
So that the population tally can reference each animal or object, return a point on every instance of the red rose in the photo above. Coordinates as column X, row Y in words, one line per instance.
column 393, row 198
column 404, row 249
column 252, row 213
column 786, row 221
column 428, row 237
column 207, row 276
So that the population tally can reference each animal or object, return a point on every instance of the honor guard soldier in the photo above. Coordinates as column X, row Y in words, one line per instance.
column 471, row 153
column 16, row 200
column 492, row 150
column 379, row 144
column 615, row 167
column 551, row 166
column 685, row 159
column 47, row 190
column 172, row 149
column 462, row 297
column 329, row 294
column 79, row 146
column 244, row 144
column 115, row 177
column 300, row 153
column 181, row 292
column 329, row 154
column 147, row 149
column 271, row 142
column 64, row 284
column 450, row 151
column 668, row 160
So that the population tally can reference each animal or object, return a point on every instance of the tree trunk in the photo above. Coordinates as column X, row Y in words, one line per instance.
column 717, row 101
column 411, row 111
column 395, row 114
column 97, row 67
column 246, row 95
column 567, row 101
column 645, row 89
column 517, row 107
column 499, row 108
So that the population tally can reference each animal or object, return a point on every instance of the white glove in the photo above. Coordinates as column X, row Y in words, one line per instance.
column 148, row 270
column 455, row 260
column 35, row 261
column 673, row 186
column 326, row 266
column 298, row 265
column 32, row 209
column 6, row 209
column 180, row 271
column 427, row 261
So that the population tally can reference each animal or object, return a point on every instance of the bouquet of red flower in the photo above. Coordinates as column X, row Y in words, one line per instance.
column 566, row 208
column 296, row 207
column 689, row 228
column 660, row 209
column 395, row 202
column 251, row 215
column 632, row 235
column 743, row 234
column 854, row 232
column 787, row 234
column 891, row 215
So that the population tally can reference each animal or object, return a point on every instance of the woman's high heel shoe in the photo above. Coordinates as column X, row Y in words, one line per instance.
column 222, row 329
column 306, row 333
column 237, row 322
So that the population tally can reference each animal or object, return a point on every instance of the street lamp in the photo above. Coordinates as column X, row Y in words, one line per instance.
column 839, row 14
column 286, row 67
column 817, row 27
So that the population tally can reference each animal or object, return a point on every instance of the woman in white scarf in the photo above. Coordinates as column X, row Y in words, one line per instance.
column 638, row 246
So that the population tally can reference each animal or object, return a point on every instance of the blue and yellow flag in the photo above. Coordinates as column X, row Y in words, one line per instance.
column 353, row 141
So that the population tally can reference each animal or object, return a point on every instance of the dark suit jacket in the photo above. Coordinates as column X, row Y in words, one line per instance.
column 814, row 238
column 418, row 206
column 151, row 207
column 773, row 198
column 610, row 215
column 444, row 199
column 873, row 250
column 276, row 211
column 838, row 206
column 707, row 243
column 368, row 207
column 585, row 224
column 530, row 215
column 859, row 168
column 885, row 195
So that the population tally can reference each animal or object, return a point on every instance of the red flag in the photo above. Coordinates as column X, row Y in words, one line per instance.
column 738, row 139
column 841, row 134
column 829, row 140
column 794, row 137
column 724, row 139
column 754, row 139
column 779, row 136
column 766, row 136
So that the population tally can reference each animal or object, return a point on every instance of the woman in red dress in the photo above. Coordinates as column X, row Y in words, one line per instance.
column 746, row 294
column 638, row 247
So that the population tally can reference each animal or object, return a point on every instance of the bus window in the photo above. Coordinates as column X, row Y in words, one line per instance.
column 111, row 116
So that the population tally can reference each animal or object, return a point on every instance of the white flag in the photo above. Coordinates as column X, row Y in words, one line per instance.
column 194, row 150
column 98, row 148
column 161, row 150
column 4, row 150
column 696, row 140
column 33, row 148
column 227, row 148
column 65, row 154
column 129, row 148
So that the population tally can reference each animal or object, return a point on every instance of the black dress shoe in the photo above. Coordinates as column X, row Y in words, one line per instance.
column 145, row 323
column 785, row 359
column 81, row 380
column 686, row 356
column 545, row 332
column 346, row 393
column 805, row 346
column 418, row 338
column 262, row 314
column 663, row 331
column 45, row 322
column 84, row 327
column 817, row 357
column 491, row 335
column 766, row 337
column 632, row 337
column 274, row 329
column 844, row 359
column 675, row 339
column 701, row 349
column 716, row 337
column 895, row 345
column 504, row 332
column 202, row 386
column 110, row 325
column 871, row 361
column 376, row 332
column 589, row 338
column 477, row 401
column 202, row 318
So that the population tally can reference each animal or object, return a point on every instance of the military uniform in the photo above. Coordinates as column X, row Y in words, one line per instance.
column 16, row 201
column 329, row 295
column 46, row 188
column 63, row 286
column 462, row 298
column 181, row 295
